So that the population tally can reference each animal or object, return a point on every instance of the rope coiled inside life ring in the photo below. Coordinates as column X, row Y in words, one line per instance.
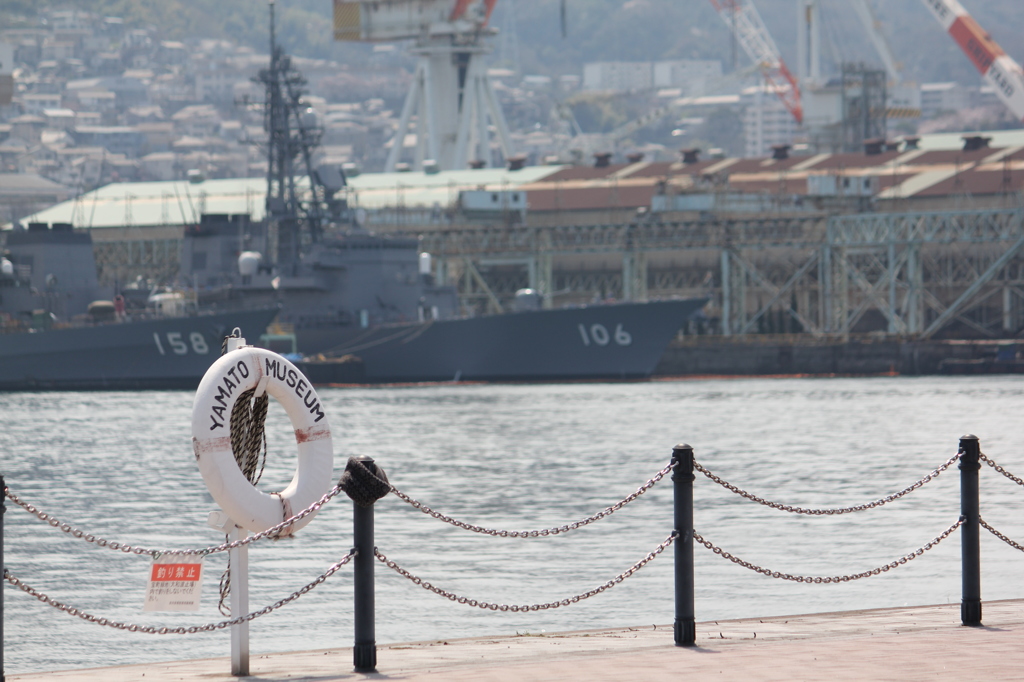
column 248, row 438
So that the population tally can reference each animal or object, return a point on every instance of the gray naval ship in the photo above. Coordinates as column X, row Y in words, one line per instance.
column 59, row 329
column 367, row 306
column 362, row 307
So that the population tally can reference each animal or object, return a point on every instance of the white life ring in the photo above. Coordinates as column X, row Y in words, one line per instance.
column 228, row 377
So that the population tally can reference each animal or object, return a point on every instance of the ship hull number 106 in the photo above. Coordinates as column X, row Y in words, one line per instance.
column 179, row 345
column 599, row 335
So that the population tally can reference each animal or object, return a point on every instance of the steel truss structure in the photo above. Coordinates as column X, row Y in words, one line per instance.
column 947, row 273
column 926, row 271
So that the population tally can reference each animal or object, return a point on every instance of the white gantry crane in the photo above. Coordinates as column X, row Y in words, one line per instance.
column 902, row 98
column 746, row 24
column 873, row 27
column 451, row 94
column 998, row 68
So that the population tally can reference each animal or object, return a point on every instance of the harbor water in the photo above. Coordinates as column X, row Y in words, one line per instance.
column 120, row 466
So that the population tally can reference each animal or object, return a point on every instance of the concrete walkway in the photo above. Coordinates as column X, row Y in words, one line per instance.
column 914, row 643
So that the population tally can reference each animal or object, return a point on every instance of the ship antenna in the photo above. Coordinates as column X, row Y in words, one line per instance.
column 271, row 3
column 293, row 135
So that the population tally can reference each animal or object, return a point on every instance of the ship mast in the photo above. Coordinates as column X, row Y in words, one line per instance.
column 294, row 212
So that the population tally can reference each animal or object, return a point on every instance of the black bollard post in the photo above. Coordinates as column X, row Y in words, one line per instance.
column 364, row 653
column 365, row 483
column 685, row 630
column 970, row 542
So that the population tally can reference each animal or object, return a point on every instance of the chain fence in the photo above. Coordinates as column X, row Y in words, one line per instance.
column 1000, row 469
column 607, row 511
column 517, row 608
column 274, row 532
column 999, row 535
column 271, row 532
column 181, row 630
column 829, row 579
column 827, row 512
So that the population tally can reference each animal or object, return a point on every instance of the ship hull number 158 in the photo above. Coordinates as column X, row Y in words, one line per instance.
column 599, row 335
column 179, row 345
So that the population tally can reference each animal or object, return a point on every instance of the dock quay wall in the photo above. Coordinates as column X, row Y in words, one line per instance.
column 768, row 354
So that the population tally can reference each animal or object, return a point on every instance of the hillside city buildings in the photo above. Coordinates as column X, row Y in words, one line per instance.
column 86, row 101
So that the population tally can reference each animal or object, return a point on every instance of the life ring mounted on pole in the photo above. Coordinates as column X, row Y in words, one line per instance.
column 241, row 369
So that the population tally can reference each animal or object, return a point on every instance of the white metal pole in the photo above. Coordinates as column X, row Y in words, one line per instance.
column 239, row 576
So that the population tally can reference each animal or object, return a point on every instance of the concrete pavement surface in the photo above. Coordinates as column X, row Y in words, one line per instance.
column 911, row 643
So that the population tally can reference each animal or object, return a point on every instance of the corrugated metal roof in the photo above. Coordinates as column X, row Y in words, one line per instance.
column 952, row 157
column 656, row 169
column 179, row 202
column 467, row 178
column 1000, row 138
column 851, row 160
column 569, row 173
column 151, row 204
column 917, row 183
column 388, row 190
column 929, row 171
column 976, row 181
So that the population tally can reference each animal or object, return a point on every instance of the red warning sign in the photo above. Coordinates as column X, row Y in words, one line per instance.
column 175, row 581
column 166, row 572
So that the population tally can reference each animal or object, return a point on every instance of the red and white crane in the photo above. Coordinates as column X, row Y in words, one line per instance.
column 992, row 62
column 746, row 24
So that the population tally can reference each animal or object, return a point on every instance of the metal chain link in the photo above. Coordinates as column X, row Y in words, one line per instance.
column 1000, row 469
column 999, row 535
column 829, row 579
column 271, row 532
column 517, row 608
column 152, row 630
column 827, row 512
column 607, row 511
